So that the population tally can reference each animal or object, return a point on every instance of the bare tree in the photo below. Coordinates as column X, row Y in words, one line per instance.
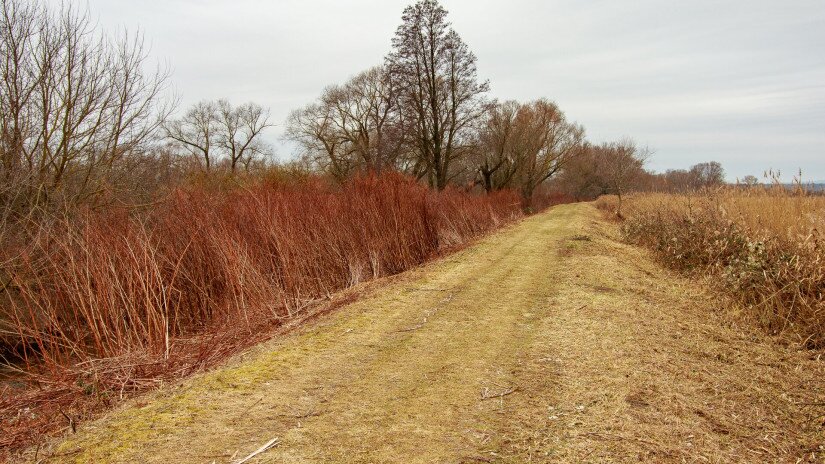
column 73, row 103
column 523, row 145
column 196, row 131
column 239, row 131
column 705, row 175
column 584, row 177
column 545, row 142
column 353, row 127
column 493, row 155
column 313, row 129
column 369, row 118
column 622, row 163
column 750, row 180
column 212, row 131
column 435, row 73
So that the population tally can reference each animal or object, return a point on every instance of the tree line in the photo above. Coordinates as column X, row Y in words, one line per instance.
column 424, row 112
column 85, row 117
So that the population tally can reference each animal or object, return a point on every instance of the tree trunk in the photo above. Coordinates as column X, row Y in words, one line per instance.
column 487, row 178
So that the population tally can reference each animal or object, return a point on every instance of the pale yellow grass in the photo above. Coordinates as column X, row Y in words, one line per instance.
column 764, row 212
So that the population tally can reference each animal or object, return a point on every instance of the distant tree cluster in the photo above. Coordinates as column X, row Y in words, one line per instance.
column 588, row 175
column 702, row 175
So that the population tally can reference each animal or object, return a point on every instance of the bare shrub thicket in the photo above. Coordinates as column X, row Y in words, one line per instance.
column 109, row 299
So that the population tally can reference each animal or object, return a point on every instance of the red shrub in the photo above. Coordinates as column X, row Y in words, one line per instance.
column 180, row 285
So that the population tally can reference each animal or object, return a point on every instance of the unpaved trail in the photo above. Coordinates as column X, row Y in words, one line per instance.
column 549, row 341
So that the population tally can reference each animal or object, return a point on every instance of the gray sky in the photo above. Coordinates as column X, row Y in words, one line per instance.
column 741, row 82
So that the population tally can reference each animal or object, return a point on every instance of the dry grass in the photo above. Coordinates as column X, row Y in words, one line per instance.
column 762, row 245
column 610, row 357
column 102, row 304
column 666, row 374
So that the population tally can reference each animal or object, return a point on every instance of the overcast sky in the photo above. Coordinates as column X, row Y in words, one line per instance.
column 741, row 82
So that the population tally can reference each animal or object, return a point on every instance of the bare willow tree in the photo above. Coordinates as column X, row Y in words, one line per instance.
column 435, row 73
column 584, row 177
column 313, row 129
column 707, row 175
column 544, row 142
column 521, row 146
column 73, row 103
column 353, row 127
column 493, row 157
column 216, row 130
column 239, row 132
column 749, row 180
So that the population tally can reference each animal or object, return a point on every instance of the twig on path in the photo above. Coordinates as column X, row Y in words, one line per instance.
column 822, row 403
column 72, row 423
column 427, row 315
column 428, row 289
column 485, row 394
column 301, row 415
column 260, row 450
column 613, row 436
column 415, row 327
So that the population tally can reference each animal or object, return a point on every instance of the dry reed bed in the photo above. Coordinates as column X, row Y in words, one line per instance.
column 102, row 304
column 762, row 245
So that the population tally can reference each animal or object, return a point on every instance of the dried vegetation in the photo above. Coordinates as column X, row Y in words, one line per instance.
column 763, row 245
column 98, row 304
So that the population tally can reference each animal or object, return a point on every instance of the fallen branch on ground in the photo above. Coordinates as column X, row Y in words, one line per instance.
column 429, row 313
column 269, row 444
column 485, row 394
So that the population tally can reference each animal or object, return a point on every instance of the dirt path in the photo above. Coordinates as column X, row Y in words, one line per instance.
column 549, row 341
